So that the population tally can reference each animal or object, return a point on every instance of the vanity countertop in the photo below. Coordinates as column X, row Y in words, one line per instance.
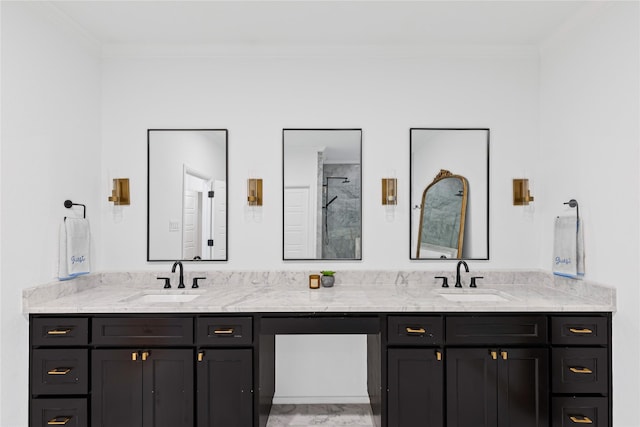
column 265, row 293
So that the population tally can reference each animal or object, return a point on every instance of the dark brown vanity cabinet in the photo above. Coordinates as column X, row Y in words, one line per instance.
column 491, row 387
column 424, row 370
column 142, row 387
column 59, row 372
column 581, row 371
column 224, row 368
column 415, row 371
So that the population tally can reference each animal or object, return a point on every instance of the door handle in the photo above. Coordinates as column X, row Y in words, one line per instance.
column 580, row 370
column 145, row 355
column 59, row 371
column 59, row 421
column 580, row 419
column 580, row 331
column 200, row 356
column 59, row 331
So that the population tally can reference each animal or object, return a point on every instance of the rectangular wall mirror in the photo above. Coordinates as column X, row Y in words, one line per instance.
column 449, row 193
column 187, row 194
column 322, row 194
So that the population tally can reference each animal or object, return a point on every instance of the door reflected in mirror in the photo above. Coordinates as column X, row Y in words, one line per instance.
column 322, row 194
column 449, row 193
column 187, row 194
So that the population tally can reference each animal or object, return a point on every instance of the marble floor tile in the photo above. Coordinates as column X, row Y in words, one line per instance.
column 325, row 415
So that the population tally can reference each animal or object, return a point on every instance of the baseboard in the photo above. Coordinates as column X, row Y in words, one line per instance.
column 324, row 400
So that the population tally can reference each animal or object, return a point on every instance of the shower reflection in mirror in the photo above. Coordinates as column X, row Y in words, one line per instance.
column 322, row 194
column 449, row 193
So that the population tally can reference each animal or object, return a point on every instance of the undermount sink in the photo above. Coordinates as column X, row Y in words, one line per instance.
column 474, row 296
column 163, row 297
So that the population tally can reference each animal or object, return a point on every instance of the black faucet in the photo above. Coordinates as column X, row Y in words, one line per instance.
column 181, row 282
column 466, row 267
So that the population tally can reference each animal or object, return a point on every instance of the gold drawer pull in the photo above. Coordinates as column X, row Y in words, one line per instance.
column 223, row 331
column 580, row 331
column 134, row 356
column 59, row 371
column 438, row 356
column 411, row 330
column 504, row 355
column 580, row 370
column 494, row 355
column 580, row 419
column 200, row 356
column 59, row 421
column 145, row 355
column 59, row 331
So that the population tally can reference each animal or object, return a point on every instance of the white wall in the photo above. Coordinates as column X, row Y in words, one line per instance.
column 256, row 96
column 50, row 152
column 589, row 107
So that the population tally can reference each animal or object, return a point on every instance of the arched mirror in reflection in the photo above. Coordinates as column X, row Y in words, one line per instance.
column 322, row 201
column 464, row 152
column 442, row 217
column 187, row 194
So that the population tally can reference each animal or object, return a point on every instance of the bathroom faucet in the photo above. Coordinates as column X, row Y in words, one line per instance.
column 181, row 282
column 466, row 267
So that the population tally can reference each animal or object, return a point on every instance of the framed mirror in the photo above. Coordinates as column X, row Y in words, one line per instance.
column 187, row 194
column 322, row 196
column 449, row 170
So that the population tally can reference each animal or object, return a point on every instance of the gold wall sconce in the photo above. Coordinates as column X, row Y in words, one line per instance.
column 120, row 192
column 521, row 193
column 254, row 191
column 389, row 191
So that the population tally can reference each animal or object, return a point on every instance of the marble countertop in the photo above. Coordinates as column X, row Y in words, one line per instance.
column 268, row 292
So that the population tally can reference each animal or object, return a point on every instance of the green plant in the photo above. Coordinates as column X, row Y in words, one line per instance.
column 327, row 273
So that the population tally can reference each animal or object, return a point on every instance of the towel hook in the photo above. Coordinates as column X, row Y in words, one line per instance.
column 573, row 203
column 69, row 203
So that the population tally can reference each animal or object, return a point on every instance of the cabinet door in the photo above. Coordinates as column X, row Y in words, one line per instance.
column 415, row 382
column 471, row 387
column 224, row 383
column 142, row 388
column 523, row 388
column 168, row 388
column 116, row 396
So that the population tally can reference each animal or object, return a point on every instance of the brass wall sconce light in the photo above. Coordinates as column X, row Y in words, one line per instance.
column 254, row 191
column 521, row 193
column 389, row 191
column 120, row 192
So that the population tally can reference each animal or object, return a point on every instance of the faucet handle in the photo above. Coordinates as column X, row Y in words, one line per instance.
column 195, row 281
column 167, row 282
column 473, row 281
column 445, row 281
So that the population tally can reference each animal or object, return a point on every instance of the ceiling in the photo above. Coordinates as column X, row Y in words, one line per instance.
column 316, row 23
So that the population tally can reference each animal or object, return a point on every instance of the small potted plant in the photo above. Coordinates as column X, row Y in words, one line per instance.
column 327, row 278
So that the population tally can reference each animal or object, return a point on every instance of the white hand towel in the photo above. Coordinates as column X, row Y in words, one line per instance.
column 568, row 247
column 75, row 247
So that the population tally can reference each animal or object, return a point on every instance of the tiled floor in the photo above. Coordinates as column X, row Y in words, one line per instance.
column 333, row 415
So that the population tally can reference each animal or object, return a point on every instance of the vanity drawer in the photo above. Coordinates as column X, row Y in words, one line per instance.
column 579, row 330
column 580, row 411
column 58, row 412
column 142, row 331
column 415, row 330
column 64, row 371
column 224, row 331
column 488, row 330
column 580, row 370
column 59, row 331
